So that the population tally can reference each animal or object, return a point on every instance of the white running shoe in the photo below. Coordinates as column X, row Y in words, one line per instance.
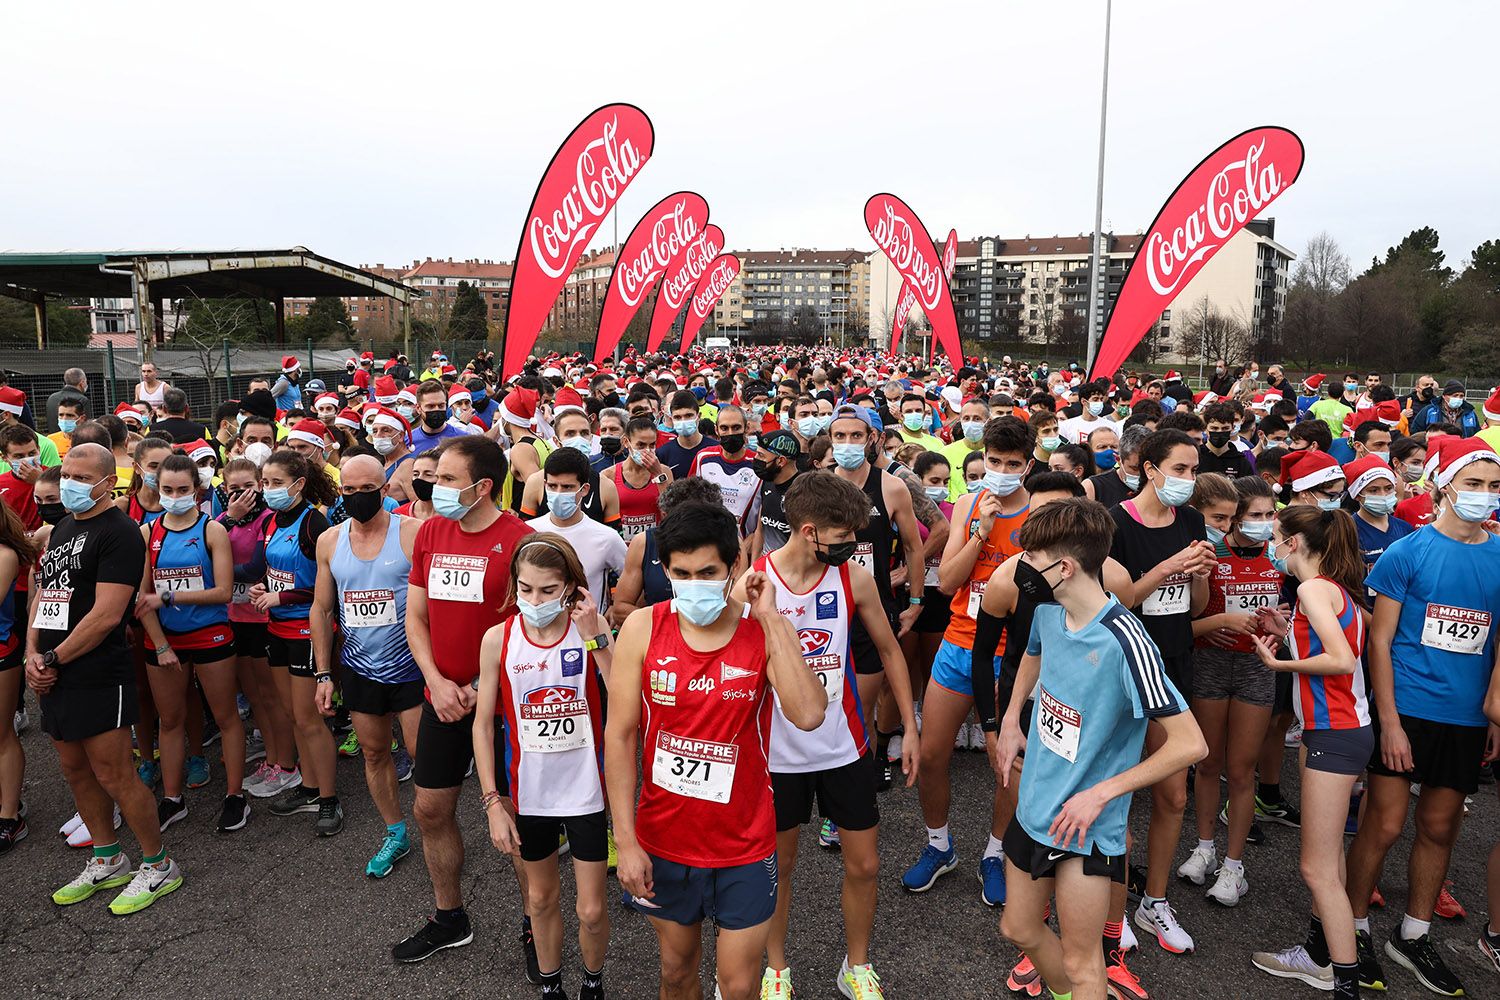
column 71, row 825
column 893, row 749
column 80, row 837
column 1199, row 865
column 23, row 719
column 961, row 738
column 976, row 737
column 1128, row 943
column 1294, row 963
column 1162, row 922
column 1230, row 887
column 1293, row 735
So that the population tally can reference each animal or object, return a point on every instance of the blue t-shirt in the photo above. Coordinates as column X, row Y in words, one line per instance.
column 1373, row 542
column 1444, row 647
column 1342, row 450
column 422, row 439
column 1097, row 688
column 679, row 457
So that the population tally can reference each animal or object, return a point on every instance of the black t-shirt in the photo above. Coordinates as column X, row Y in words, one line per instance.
column 181, row 429
column 679, row 457
column 1233, row 463
column 107, row 548
column 1167, row 613
column 1110, row 489
column 774, row 528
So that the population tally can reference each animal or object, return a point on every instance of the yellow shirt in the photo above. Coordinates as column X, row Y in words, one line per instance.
column 1490, row 436
column 62, row 441
column 955, row 453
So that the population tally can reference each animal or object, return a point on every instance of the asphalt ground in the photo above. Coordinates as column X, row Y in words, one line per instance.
column 272, row 911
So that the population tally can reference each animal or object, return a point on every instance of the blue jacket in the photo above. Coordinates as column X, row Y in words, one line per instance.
column 1437, row 412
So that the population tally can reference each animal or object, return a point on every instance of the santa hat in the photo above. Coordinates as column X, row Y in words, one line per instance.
column 290, row 364
column 348, row 419
column 125, row 412
column 331, row 398
column 1363, row 471
column 13, row 400
column 1305, row 470
column 1205, row 398
column 1389, row 412
column 1260, row 403
column 565, row 400
column 385, row 390
column 458, row 394
column 1314, row 382
column 1455, row 452
column 387, row 417
column 1492, row 407
column 196, row 450
column 1171, row 376
column 367, row 356
column 406, row 395
column 447, row 370
column 519, row 407
column 310, row 430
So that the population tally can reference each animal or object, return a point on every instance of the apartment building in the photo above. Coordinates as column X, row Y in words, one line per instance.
column 797, row 294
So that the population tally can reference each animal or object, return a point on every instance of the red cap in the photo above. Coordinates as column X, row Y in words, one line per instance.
column 1304, row 470
column 1363, row 471
column 311, row 430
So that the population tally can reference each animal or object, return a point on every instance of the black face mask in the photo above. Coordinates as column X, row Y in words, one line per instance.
column 613, row 399
column 833, row 555
column 1218, row 438
column 766, row 470
column 435, row 419
column 1429, row 392
column 423, row 489
column 609, row 444
column 1032, row 583
column 52, row 512
column 733, row 444
column 363, row 506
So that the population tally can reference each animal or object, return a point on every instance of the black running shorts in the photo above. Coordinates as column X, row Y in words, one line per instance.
column 846, row 795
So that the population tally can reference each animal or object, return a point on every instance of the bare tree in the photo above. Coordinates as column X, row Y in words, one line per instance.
column 1323, row 267
column 1205, row 332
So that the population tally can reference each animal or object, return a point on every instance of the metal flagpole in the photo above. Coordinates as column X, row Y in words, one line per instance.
column 617, row 264
column 1094, row 281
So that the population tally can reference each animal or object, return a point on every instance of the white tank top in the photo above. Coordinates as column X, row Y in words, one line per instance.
column 554, row 734
column 821, row 617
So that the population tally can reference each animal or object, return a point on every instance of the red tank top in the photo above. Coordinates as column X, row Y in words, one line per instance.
column 1241, row 586
column 638, row 507
column 706, row 723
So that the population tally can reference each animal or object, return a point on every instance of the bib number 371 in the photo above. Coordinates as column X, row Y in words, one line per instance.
column 698, row 769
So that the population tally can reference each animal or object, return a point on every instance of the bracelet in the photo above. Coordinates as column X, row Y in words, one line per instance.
column 488, row 799
column 320, row 678
column 164, row 648
column 915, row 600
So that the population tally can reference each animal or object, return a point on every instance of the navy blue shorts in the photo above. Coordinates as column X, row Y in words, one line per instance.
column 733, row 898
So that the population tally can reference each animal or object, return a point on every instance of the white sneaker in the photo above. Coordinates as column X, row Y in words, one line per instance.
column 257, row 776
column 1294, row 963
column 976, row 737
column 1162, row 922
column 80, row 837
column 961, row 738
column 1128, row 943
column 1230, row 887
column 23, row 719
column 1199, row 865
column 893, row 749
column 71, row 825
column 1293, row 735
column 276, row 782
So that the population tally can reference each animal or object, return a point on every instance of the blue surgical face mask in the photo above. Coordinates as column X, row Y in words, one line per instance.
column 936, row 493
column 638, row 457
column 973, row 430
column 445, row 500
column 1257, row 531
column 1002, row 484
column 824, row 419
column 1351, row 386
column 539, row 615
column 149, row 478
column 808, row 426
column 1096, row 407
column 564, row 505
column 849, row 456
column 913, row 421
column 685, row 428
column 1105, row 460
column 1327, row 503
column 582, row 443
column 279, row 498
column 1214, row 534
column 1051, row 443
column 1278, row 561
column 77, row 497
column 1380, row 506
column 700, row 601
column 1174, row 492
column 1471, row 506
column 1134, row 482
column 752, row 441
column 66, row 425
column 179, row 505
column 975, row 486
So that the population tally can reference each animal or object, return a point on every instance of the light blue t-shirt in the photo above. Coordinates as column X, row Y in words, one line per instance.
column 1444, row 648
column 1097, row 688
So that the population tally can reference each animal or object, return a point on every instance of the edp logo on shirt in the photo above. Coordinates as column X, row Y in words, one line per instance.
column 828, row 604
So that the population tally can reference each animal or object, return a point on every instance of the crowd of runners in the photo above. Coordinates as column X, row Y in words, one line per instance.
column 662, row 614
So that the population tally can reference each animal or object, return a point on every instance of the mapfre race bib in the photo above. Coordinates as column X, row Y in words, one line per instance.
column 279, row 580
column 52, row 609
column 369, row 608
column 177, row 579
column 864, row 556
column 457, row 578
column 1172, row 598
column 976, row 594
column 1059, row 726
column 240, row 594
column 555, row 726
column 1249, row 598
column 698, row 769
column 1457, row 630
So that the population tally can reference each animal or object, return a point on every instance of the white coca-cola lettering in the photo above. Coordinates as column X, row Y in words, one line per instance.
column 671, row 231
column 895, row 236
column 1234, row 196
column 676, row 287
column 714, row 285
column 555, row 235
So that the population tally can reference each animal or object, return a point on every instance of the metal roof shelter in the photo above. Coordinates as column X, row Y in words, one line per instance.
column 149, row 277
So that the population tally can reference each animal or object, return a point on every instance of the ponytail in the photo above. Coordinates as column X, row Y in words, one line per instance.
column 1331, row 536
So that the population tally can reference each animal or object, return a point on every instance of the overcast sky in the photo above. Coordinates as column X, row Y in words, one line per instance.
column 379, row 132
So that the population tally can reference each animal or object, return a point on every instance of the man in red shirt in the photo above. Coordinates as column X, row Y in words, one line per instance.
column 18, row 446
column 460, row 572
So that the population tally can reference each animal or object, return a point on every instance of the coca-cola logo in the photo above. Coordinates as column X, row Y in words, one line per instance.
column 714, row 284
column 675, row 289
column 896, row 237
column 670, row 233
column 603, row 167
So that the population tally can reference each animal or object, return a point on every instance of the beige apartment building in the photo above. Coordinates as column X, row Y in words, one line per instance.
column 796, row 294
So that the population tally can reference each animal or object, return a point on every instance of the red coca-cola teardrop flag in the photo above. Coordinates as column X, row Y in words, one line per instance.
column 716, row 279
column 654, row 246
column 588, row 173
column 678, row 283
column 905, row 241
column 1232, row 185
column 908, row 297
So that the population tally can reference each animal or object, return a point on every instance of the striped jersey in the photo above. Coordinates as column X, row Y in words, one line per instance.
column 1330, row 701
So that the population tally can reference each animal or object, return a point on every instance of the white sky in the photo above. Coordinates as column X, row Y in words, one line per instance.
column 378, row 132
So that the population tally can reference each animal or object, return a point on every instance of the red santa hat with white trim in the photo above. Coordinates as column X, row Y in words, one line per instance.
column 311, row 430
column 565, row 400
column 519, row 407
column 196, row 451
column 459, row 394
column 1453, row 453
column 13, row 401
column 385, row 390
column 125, row 412
column 1306, row 470
column 387, row 417
column 1363, row 471
column 289, row 364
column 407, row 395
column 327, row 397
column 348, row 419
column 1492, row 407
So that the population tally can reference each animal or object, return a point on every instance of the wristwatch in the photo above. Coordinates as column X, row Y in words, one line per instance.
column 323, row 678
column 599, row 641
column 166, row 598
column 49, row 658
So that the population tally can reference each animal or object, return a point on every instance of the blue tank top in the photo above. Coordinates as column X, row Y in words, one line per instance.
column 180, row 563
column 372, row 608
column 287, row 568
column 8, row 616
column 655, row 587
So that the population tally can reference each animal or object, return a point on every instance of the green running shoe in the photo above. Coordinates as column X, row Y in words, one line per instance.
column 99, row 873
column 149, row 884
column 350, row 746
column 392, row 850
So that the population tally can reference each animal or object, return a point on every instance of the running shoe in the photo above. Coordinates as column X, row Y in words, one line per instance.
column 893, row 748
column 392, row 850
column 330, row 818
column 591, row 987
column 402, row 760
column 776, row 985
column 859, row 982
column 298, row 800
column 1120, row 981
column 828, row 836
column 1162, row 922
column 1421, row 959
column 169, row 812
column 22, row 720
column 149, row 772
column 1293, row 738
column 350, row 746
column 992, row 881
column 1024, row 978
column 98, row 873
column 885, row 775
column 255, row 777
column 1229, row 887
column 1294, row 963
column 81, row 837
column 255, row 747
column 1128, row 943
column 961, row 738
column 1282, row 812
column 66, row 830
column 197, row 772
column 1199, row 865
column 930, row 865
column 611, row 850
column 1489, row 947
column 431, row 939
column 276, row 782
column 243, row 705
column 151, row 882
column 528, row 951
column 211, row 732
column 1256, row 836
column 1447, row 907
column 1371, row 975
column 976, row 738
column 12, row 832
column 563, row 847
column 235, row 814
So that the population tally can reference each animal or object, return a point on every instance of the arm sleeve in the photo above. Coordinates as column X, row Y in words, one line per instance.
column 990, row 699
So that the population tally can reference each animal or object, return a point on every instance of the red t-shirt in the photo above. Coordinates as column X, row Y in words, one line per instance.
column 19, row 497
column 466, row 576
column 1416, row 511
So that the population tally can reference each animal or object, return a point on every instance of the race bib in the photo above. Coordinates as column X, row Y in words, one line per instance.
column 1248, row 598
column 457, row 578
column 976, row 594
column 830, row 673
column 1172, row 598
column 52, row 609
column 369, row 608
column 555, row 726
column 864, row 556
column 697, row 769
column 279, row 580
column 177, row 579
column 1457, row 630
column 1059, row 726
column 241, row 594
column 633, row 524
column 931, row 577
